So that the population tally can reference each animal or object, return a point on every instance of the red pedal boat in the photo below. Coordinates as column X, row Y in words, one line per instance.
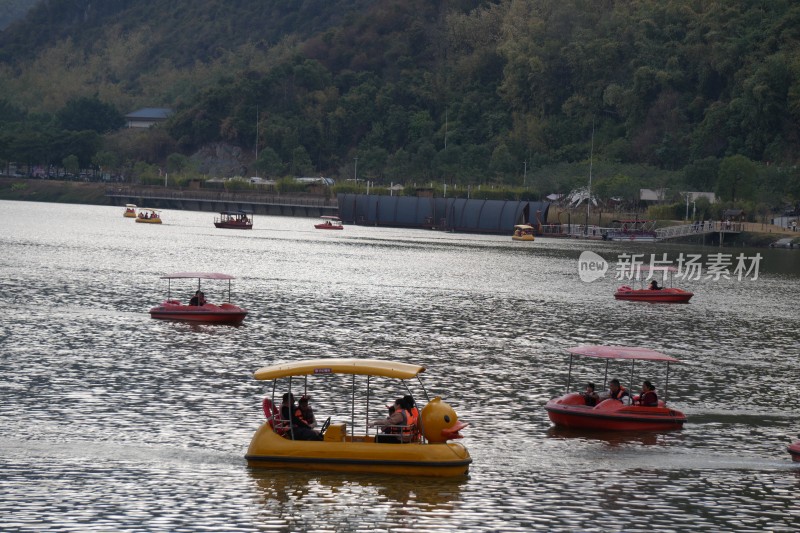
column 198, row 310
column 666, row 293
column 571, row 409
column 234, row 220
column 329, row 222
column 794, row 450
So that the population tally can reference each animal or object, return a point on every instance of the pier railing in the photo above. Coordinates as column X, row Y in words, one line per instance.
column 581, row 231
column 194, row 195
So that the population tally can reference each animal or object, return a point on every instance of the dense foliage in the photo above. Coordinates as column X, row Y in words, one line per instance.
column 462, row 92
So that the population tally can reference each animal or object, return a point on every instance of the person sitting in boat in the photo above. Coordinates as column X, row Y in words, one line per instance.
column 198, row 299
column 654, row 285
column 300, row 428
column 396, row 427
column 306, row 411
column 590, row 396
column 648, row 397
column 617, row 392
column 413, row 418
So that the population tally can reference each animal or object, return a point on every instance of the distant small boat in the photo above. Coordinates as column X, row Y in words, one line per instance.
column 130, row 211
column 664, row 294
column 330, row 222
column 149, row 216
column 523, row 232
column 234, row 220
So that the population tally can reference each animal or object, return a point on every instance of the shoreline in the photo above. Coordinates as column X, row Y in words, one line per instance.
column 92, row 193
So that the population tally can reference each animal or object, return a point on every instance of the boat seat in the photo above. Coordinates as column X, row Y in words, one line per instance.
column 335, row 433
column 413, row 435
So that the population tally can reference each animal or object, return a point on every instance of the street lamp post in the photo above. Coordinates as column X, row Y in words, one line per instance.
column 687, row 207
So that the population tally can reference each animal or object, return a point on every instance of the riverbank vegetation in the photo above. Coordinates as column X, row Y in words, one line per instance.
column 471, row 95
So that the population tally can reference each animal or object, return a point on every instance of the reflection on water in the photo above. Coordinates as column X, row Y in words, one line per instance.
column 610, row 438
column 112, row 421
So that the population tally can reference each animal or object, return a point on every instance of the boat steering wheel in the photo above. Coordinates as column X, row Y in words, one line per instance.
column 325, row 426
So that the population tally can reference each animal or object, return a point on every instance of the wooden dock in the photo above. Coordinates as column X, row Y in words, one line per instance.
column 218, row 201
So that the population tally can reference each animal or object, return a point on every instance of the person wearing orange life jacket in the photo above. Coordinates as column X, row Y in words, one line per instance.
column 300, row 428
column 616, row 392
column 396, row 426
column 413, row 420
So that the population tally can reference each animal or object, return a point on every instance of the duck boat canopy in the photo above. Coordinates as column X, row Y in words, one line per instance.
column 367, row 367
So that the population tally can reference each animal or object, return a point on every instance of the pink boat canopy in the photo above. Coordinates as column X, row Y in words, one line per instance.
column 197, row 275
column 621, row 352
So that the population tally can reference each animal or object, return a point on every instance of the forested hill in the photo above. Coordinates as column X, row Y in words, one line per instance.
column 12, row 10
column 465, row 90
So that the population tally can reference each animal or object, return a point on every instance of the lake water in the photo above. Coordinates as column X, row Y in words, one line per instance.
column 112, row 421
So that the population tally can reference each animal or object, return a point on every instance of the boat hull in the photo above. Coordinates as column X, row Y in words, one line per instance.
column 128, row 214
column 612, row 415
column 794, row 451
column 149, row 220
column 647, row 295
column 233, row 225
column 326, row 226
column 208, row 313
column 522, row 237
column 357, row 454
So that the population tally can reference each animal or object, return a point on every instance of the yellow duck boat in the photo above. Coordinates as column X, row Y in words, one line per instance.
column 523, row 232
column 340, row 449
column 149, row 216
column 130, row 211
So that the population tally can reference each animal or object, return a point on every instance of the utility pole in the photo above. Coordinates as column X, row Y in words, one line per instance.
column 589, row 189
column 525, row 173
column 687, row 207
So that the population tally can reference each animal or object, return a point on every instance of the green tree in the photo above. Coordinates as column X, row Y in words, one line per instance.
column 90, row 114
column 71, row 165
column 737, row 178
column 301, row 162
column 177, row 163
column 105, row 160
column 269, row 163
column 701, row 174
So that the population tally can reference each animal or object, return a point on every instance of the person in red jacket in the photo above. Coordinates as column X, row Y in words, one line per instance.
column 648, row 398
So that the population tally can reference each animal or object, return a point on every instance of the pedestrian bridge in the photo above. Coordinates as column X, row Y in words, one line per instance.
column 698, row 228
column 580, row 231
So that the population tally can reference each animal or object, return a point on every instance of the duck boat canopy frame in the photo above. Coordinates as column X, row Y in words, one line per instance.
column 354, row 367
